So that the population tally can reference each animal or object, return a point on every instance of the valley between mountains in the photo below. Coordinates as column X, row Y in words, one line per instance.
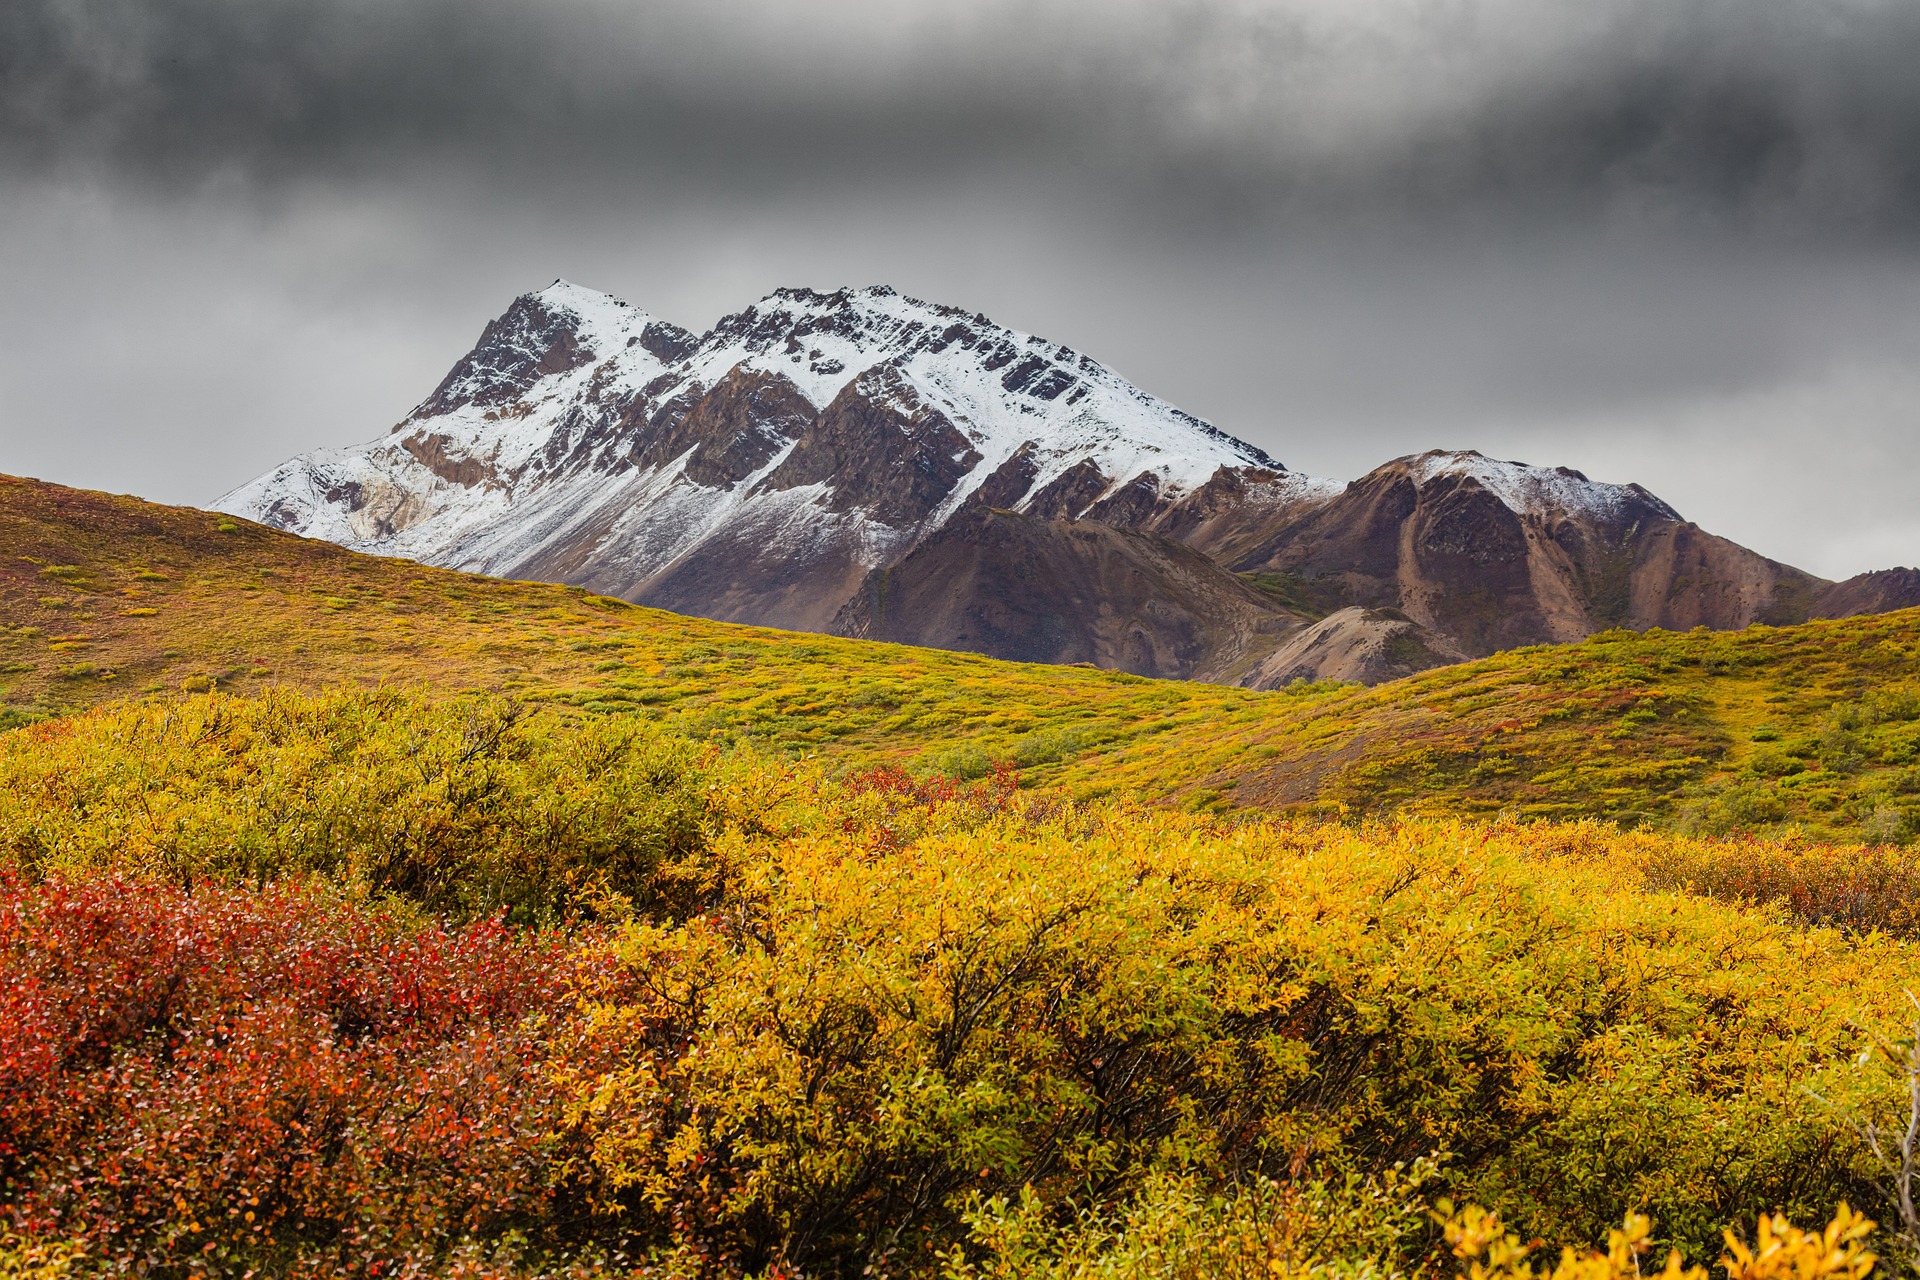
column 868, row 465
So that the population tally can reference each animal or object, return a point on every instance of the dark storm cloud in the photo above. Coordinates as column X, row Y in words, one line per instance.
column 1794, row 114
column 1668, row 241
column 180, row 91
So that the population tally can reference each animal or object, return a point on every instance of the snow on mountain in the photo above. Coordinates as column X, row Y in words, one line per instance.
column 1002, row 388
column 1538, row 491
column 586, row 440
column 556, row 367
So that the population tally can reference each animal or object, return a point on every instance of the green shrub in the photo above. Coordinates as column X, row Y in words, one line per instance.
column 965, row 761
column 464, row 808
column 1775, row 764
column 1178, row 1228
column 1046, row 746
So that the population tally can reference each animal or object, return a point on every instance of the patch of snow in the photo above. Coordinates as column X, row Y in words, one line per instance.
column 1537, row 491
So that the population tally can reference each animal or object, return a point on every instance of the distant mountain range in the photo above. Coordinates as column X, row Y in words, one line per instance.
column 868, row 465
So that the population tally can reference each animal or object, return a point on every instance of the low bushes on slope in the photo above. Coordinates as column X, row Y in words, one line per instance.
column 859, row 1036
column 849, row 1043
column 1813, row 727
column 463, row 807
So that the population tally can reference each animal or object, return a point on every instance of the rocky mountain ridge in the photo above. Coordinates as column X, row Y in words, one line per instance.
column 756, row 473
column 872, row 465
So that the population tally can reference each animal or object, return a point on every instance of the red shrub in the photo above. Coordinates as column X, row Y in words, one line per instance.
column 993, row 791
column 237, row 1076
column 907, row 803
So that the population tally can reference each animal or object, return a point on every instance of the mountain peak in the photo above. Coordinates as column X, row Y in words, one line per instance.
column 597, row 315
column 800, row 442
column 827, row 460
column 1532, row 490
column 842, row 296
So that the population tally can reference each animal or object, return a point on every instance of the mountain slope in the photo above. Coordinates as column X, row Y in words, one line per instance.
column 1495, row 555
column 1062, row 591
column 105, row 598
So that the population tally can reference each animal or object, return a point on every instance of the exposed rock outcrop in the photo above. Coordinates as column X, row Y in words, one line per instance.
column 1047, row 590
column 1880, row 592
column 1490, row 555
column 1367, row 645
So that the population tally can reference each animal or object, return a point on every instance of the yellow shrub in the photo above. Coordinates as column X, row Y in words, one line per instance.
column 853, row 1033
column 465, row 807
column 25, row 1259
column 1780, row 1251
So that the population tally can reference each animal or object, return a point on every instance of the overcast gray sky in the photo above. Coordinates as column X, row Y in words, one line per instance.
column 1672, row 241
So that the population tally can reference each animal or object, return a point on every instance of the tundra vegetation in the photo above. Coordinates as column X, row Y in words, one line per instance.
column 363, row 919
column 1810, row 730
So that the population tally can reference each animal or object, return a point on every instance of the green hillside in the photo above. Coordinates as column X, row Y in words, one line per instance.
column 1815, row 726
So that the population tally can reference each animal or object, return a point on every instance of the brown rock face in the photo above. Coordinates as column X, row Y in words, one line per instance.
column 1880, row 592
column 1367, row 645
column 431, row 452
column 1224, row 517
column 1068, row 495
column 882, row 449
column 1009, row 482
column 730, row 431
column 1480, row 574
column 1039, row 590
column 1684, row 577
column 764, row 573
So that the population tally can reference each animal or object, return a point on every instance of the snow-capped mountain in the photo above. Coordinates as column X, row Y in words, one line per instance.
column 870, row 464
column 756, row 473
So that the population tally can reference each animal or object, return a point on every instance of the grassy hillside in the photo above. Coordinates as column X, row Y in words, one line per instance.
column 105, row 598
column 1815, row 727
column 575, row 939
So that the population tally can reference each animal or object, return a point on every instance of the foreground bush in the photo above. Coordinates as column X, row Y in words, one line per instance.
column 463, row 807
column 1848, row 887
column 1176, row 1228
column 224, row 1080
column 854, row 1041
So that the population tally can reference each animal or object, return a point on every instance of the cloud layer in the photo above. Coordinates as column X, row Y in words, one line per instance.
column 1796, row 114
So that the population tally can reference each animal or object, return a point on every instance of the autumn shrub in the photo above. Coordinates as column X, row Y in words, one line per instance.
column 1859, row 888
column 225, row 1080
column 1847, row 886
column 1779, row 1250
column 529, row 995
column 463, row 807
column 28, row 1258
column 1178, row 1228
column 851, row 1041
